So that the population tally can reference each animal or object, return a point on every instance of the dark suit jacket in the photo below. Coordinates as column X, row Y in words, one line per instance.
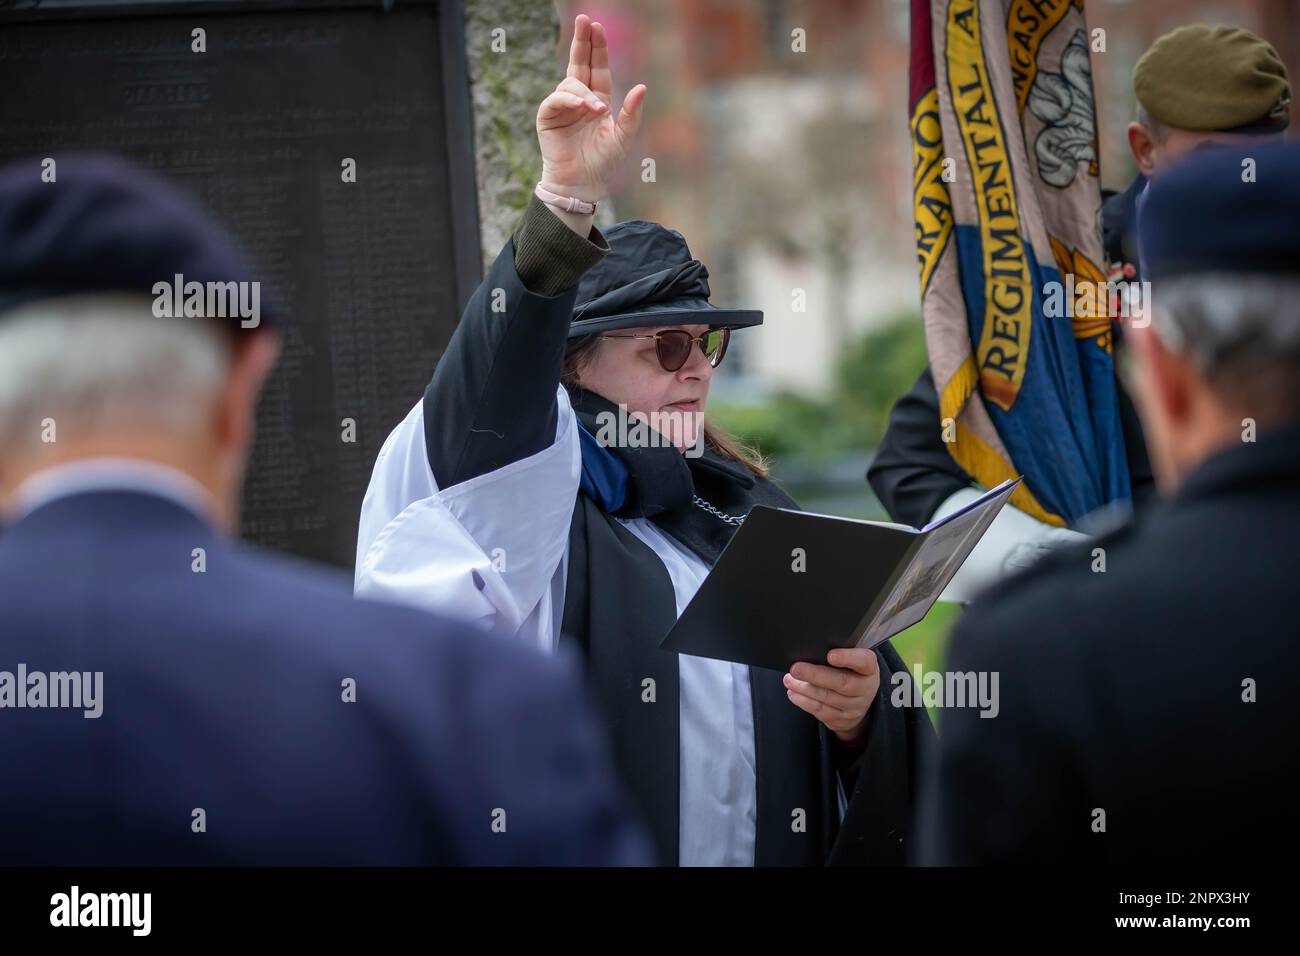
column 1123, row 690
column 222, row 690
column 1119, row 224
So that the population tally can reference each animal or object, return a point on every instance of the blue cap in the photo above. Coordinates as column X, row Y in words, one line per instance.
column 104, row 225
column 1226, row 208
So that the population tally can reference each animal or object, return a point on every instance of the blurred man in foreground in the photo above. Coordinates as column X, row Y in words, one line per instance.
column 170, row 697
column 1149, row 679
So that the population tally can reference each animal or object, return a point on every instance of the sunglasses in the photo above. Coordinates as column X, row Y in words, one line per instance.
column 673, row 346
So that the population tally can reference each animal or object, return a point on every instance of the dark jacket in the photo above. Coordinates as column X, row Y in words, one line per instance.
column 1123, row 690
column 223, row 691
column 1119, row 236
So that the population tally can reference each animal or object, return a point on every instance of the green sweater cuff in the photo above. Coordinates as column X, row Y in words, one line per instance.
column 549, row 256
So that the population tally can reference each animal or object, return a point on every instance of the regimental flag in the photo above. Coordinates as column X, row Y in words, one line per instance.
column 1007, row 201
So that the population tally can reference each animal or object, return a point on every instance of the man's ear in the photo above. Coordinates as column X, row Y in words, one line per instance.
column 1142, row 145
column 251, row 361
column 1165, row 378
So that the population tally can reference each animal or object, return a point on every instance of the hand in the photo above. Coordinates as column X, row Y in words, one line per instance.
column 582, row 144
column 840, row 695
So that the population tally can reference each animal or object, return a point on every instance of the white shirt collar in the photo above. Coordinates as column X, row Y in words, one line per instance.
column 110, row 474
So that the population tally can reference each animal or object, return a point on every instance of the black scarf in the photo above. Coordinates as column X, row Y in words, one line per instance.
column 619, row 603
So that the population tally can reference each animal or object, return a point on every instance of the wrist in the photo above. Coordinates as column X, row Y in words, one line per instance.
column 856, row 738
column 565, row 202
column 580, row 223
column 587, row 192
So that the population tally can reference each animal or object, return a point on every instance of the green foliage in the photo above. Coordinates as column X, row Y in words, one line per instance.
column 881, row 366
column 790, row 425
column 869, row 377
column 926, row 643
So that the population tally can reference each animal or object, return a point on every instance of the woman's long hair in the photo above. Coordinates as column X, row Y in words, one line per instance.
column 582, row 350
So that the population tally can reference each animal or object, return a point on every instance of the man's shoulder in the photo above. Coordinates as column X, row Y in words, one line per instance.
column 1163, row 576
column 264, row 675
column 1065, row 598
column 254, row 606
column 318, row 603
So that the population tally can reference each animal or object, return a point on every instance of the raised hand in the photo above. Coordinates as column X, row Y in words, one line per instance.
column 582, row 143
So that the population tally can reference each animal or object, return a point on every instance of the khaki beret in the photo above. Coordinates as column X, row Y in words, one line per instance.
column 1214, row 78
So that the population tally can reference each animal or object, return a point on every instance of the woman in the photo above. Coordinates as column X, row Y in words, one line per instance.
column 495, row 501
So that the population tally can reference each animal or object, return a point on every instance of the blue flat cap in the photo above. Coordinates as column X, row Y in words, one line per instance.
column 1226, row 208
column 105, row 225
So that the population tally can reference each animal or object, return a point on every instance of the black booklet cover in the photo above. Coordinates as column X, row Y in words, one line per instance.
column 792, row 585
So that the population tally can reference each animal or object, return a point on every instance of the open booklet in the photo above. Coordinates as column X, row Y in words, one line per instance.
column 792, row 585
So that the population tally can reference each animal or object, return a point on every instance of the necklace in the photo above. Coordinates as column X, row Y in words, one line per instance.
column 729, row 519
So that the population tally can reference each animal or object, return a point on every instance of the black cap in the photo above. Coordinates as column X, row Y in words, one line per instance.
column 1226, row 208
column 102, row 224
column 649, row 278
